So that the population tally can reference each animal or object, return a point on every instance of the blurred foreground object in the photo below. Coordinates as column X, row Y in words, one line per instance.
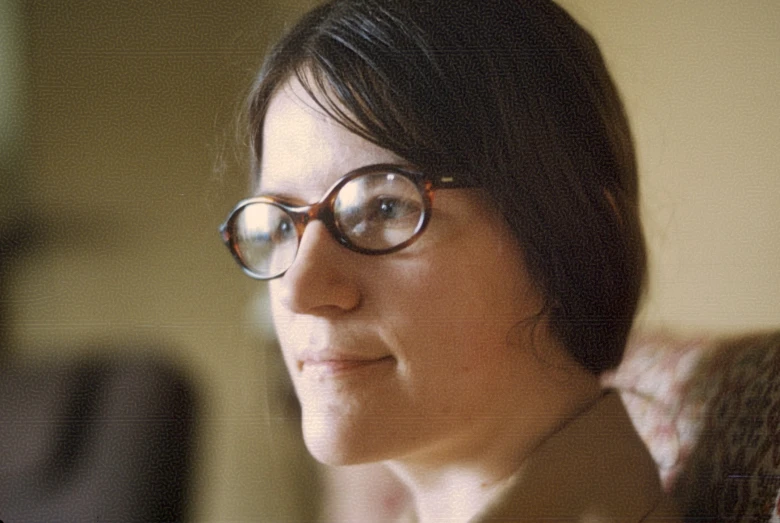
column 108, row 437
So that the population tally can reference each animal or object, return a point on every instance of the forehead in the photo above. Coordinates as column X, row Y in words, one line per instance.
column 304, row 151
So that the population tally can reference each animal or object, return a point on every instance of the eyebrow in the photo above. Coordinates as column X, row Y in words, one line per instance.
column 284, row 196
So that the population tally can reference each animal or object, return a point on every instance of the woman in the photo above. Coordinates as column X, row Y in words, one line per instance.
column 447, row 212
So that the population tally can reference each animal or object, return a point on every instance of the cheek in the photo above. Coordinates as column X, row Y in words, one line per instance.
column 288, row 336
column 278, row 317
column 462, row 308
column 478, row 292
column 447, row 318
column 273, row 299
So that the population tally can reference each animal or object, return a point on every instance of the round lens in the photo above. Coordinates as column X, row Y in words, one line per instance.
column 379, row 211
column 265, row 239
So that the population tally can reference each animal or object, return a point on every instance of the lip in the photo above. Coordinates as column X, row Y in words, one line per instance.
column 326, row 363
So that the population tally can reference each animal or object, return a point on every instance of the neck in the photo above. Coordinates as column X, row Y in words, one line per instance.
column 447, row 489
column 457, row 493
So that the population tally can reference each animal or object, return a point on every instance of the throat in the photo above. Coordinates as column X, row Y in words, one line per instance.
column 454, row 494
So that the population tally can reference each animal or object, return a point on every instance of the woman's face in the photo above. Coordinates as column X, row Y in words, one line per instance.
column 418, row 354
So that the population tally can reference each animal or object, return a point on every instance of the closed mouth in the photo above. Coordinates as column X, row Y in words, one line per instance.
column 341, row 365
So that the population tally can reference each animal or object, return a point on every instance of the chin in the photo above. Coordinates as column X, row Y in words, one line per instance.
column 335, row 453
column 328, row 455
column 332, row 443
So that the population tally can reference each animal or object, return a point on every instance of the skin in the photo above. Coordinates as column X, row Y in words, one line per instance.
column 432, row 359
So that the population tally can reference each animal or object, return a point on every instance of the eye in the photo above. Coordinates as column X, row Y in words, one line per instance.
column 283, row 230
column 377, row 212
column 390, row 211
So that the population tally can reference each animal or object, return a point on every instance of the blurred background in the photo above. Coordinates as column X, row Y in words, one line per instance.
column 120, row 159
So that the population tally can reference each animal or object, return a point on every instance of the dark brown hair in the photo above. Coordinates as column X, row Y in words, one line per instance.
column 513, row 95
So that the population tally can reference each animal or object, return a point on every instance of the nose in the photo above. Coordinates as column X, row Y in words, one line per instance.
column 320, row 280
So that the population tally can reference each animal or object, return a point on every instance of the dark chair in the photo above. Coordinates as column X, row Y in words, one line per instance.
column 102, row 439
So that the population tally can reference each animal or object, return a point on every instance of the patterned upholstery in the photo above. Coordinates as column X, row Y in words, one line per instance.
column 709, row 411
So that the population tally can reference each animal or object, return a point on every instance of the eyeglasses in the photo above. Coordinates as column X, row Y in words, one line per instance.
column 377, row 209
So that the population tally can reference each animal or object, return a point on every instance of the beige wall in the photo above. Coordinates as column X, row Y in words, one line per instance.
column 130, row 109
column 700, row 80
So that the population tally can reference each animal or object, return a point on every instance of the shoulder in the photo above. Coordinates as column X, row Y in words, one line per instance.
column 595, row 469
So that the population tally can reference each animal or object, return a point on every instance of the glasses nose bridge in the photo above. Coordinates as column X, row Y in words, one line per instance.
column 303, row 216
